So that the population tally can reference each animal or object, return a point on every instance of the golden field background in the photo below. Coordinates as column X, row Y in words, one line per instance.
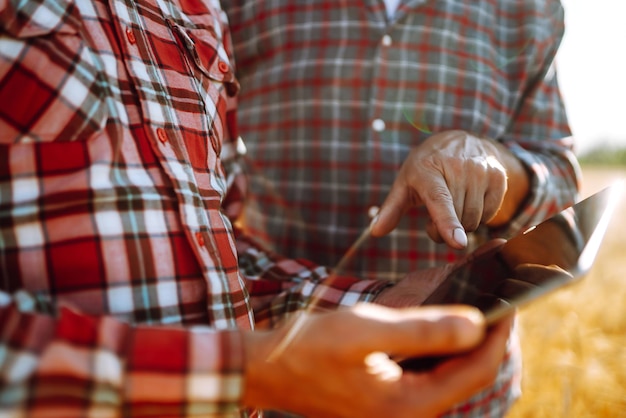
column 574, row 340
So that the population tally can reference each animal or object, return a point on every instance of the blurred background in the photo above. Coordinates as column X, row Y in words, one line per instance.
column 574, row 341
column 591, row 66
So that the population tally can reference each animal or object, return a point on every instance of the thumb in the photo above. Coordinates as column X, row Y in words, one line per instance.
column 420, row 331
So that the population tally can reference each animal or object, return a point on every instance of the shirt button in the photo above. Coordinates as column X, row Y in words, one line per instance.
column 373, row 211
column 223, row 67
column 386, row 41
column 130, row 36
column 378, row 125
column 200, row 239
column 162, row 135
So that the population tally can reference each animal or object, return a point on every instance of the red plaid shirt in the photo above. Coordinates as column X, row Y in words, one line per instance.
column 335, row 94
column 120, row 287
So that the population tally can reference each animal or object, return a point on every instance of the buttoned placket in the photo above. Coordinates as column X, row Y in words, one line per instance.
column 194, row 217
column 378, row 124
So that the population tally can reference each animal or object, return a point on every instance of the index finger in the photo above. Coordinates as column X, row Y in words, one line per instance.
column 440, row 205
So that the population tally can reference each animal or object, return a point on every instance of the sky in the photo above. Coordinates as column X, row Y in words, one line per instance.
column 591, row 68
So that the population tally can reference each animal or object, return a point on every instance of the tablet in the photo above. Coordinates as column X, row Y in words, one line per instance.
column 557, row 252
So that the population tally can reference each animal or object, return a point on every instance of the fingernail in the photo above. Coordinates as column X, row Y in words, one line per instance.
column 459, row 236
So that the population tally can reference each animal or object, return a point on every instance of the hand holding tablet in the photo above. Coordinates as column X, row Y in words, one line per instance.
column 557, row 252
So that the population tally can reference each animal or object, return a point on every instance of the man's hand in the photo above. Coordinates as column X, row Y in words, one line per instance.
column 338, row 364
column 462, row 180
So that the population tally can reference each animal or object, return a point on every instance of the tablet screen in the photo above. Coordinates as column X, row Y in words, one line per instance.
column 554, row 253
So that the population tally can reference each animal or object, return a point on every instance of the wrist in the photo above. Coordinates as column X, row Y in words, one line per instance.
column 260, row 373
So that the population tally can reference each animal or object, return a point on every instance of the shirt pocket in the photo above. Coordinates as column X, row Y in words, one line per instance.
column 51, row 84
column 206, row 52
column 210, row 66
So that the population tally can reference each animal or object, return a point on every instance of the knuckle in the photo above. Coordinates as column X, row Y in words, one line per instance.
column 439, row 194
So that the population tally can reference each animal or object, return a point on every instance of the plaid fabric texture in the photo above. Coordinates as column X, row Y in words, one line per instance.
column 120, row 292
column 334, row 94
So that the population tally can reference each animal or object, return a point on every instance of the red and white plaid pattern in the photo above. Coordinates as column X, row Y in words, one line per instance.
column 120, row 292
column 334, row 94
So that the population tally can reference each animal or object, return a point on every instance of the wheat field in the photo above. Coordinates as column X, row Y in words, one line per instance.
column 574, row 340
